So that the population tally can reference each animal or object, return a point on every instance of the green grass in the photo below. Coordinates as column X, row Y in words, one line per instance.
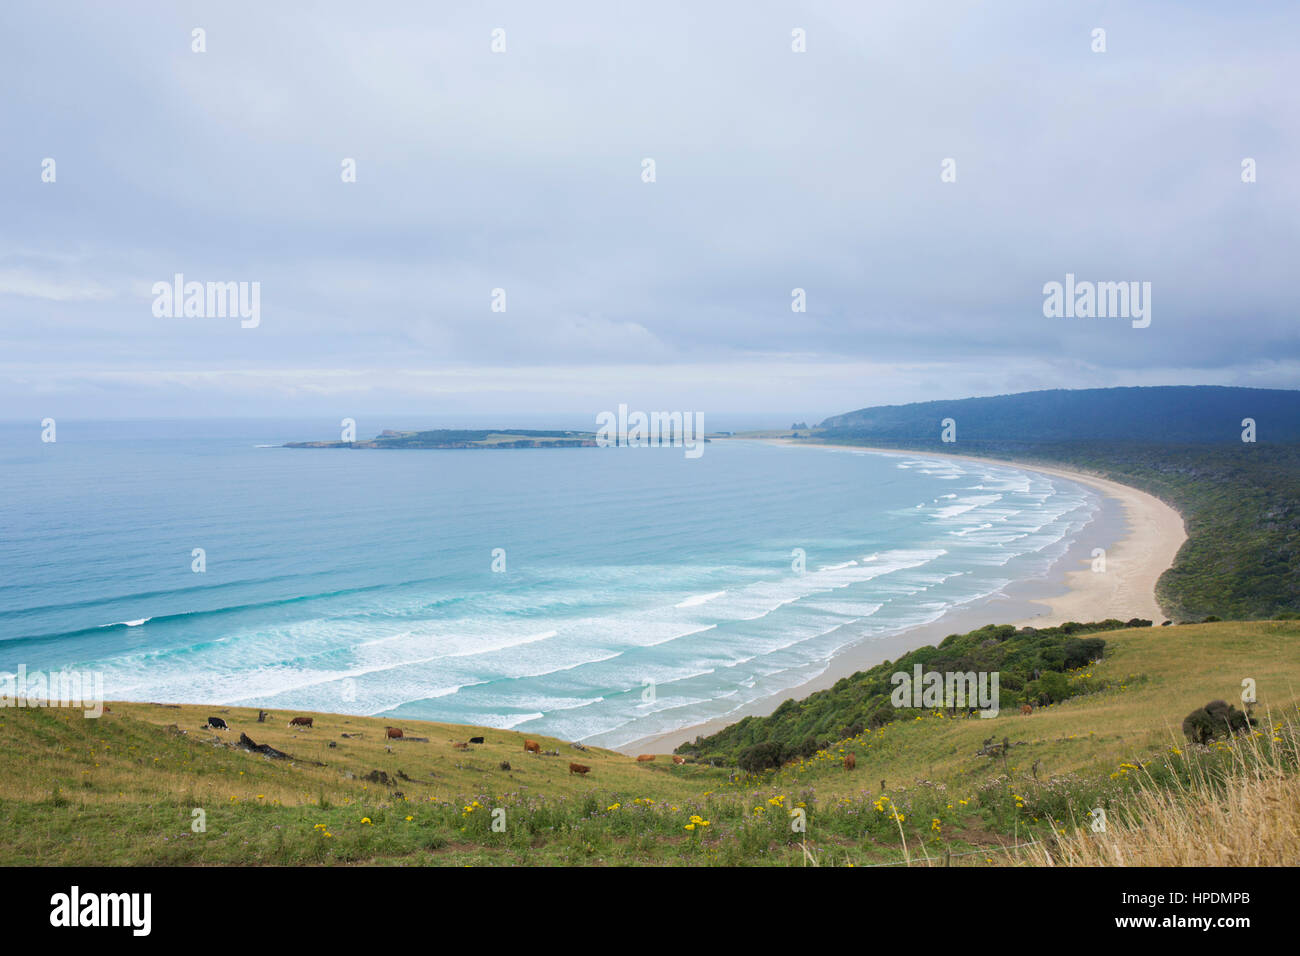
column 122, row 790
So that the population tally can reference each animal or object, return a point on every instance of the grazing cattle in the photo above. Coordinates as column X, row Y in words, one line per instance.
column 532, row 747
column 476, row 740
column 394, row 733
column 216, row 723
column 1026, row 710
column 300, row 722
column 677, row 759
column 578, row 768
column 460, row 746
column 261, row 716
column 645, row 758
column 850, row 761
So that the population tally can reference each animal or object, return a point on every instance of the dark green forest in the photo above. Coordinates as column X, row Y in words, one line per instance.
column 1172, row 413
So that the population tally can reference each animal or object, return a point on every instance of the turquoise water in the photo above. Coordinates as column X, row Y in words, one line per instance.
column 642, row 591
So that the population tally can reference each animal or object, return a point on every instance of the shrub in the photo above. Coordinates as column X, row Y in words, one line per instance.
column 759, row 757
column 1051, row 688
column 1217, row 717
column 806, row 749
column 1080, row 652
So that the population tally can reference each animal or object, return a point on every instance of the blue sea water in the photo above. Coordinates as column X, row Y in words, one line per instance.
column 642, row 591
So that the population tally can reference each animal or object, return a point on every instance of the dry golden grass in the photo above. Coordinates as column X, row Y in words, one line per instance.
column 143, row 753
column 1249, row 818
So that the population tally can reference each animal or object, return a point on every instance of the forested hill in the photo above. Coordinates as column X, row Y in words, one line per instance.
column 1240, row 499
column 1181, row 413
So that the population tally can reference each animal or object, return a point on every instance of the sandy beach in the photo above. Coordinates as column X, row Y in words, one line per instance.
column 1134, row 562
column 1140, row 534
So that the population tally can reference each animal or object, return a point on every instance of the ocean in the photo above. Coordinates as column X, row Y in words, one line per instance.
column 594, row 594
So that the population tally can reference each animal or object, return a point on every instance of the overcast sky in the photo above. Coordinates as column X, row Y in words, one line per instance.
column 522, row 170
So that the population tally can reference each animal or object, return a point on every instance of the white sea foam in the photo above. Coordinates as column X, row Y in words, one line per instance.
column 507, row 721
column 963, row 505
column 699, row 599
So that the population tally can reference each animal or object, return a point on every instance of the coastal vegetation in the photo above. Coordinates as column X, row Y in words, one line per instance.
column 926, row 788
column 1240, row 811
column 1171, row 413
column 1035, row 667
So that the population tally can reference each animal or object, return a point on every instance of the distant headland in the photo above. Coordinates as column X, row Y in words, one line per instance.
column 463, row 438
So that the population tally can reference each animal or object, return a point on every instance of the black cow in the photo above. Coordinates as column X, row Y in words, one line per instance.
column 476, row 740
column 216, row 723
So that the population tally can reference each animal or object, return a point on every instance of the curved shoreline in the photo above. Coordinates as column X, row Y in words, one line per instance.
column 1134, row 563
column 1136, row 556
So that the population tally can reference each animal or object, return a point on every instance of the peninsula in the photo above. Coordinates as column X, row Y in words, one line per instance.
column 463, row 438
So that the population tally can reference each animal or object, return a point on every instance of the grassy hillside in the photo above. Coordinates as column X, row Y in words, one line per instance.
column 1035, row 666
column 123, row 789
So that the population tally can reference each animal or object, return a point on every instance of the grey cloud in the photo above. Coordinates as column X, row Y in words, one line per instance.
column 775, row 171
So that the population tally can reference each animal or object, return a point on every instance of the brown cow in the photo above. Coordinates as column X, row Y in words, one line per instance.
column 300, row 722
column 394, row 733
column 645, row 758
column 677, row 759
column 532, row 747
column 1026, row 710
column 461, row 746
column 850, row 761
column 578, row 768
